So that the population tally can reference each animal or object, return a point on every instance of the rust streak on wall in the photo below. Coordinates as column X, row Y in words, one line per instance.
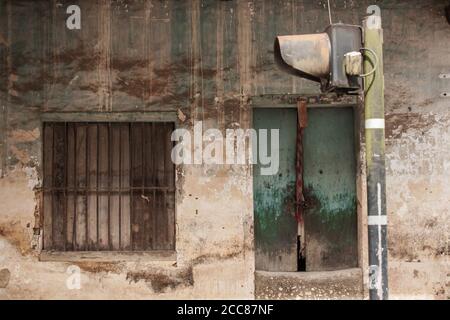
column 220, row 94
column 245, row 57
column 104, row 56
column 196, row 67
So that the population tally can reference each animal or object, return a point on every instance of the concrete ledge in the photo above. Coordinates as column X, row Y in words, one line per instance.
column 108, row 256
column 152, row 116
column 342, row 284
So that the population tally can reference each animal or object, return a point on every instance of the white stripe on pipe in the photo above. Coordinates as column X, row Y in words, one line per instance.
column 377, row 220
column 379, row 198
column 375, row 123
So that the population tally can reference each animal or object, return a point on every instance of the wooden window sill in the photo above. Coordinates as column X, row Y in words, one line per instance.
column 108, row 256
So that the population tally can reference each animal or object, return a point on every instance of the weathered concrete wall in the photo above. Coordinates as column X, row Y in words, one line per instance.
column 418, row 154
column 207, row 59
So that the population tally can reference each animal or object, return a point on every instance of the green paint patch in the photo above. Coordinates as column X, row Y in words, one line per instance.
column 275, row 221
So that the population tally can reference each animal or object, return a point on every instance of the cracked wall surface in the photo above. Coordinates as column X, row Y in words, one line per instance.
column 206, row 60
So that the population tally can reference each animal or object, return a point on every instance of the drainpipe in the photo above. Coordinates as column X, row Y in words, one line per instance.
column 375, row 154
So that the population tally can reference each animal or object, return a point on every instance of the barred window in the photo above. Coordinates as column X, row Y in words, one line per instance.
column 108, row 186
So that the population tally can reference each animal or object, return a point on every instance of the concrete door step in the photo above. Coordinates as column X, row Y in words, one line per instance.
column 342, row 284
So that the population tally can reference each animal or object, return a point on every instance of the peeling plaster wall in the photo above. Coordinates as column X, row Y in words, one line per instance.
column 206, row 59
column 417, row 47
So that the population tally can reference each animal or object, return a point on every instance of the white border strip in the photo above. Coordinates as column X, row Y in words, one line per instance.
column 375, row 123
column 377, row 220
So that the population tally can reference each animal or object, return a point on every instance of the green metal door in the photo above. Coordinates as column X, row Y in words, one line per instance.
column 274, row 196
column 330, row 192
column 330, row 189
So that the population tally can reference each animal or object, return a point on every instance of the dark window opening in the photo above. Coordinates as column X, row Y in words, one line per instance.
column 108, row 187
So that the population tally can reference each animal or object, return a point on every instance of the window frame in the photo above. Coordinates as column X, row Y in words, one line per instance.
column 117, row 255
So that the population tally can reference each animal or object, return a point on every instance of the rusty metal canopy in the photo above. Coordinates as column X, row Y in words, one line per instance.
column 306, row 55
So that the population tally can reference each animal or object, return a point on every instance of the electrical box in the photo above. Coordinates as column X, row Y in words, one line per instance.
column 344, row 39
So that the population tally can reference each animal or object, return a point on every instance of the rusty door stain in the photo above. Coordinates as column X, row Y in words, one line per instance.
column 274, row 196
column 330, row 190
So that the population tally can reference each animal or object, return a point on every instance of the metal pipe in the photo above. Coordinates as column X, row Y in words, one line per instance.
column 375, row 151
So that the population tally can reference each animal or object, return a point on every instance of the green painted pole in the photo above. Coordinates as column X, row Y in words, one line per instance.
column 375, row 155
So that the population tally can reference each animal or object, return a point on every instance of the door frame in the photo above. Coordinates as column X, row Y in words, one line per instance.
column 282, row 101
